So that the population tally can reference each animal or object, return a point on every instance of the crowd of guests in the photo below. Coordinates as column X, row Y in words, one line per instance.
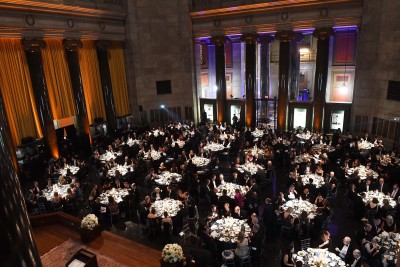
column 178, row 143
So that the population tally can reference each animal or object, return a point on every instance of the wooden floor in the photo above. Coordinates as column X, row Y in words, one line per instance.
column 118, row 248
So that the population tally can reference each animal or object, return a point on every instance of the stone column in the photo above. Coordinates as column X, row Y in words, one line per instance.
column 295, row 65
column 250, row 74
column 102, row 56
column 265, row 41
column 83, row 139
column 35, row 64
column 220, row 77
column 321, row 75
column 285, row 38
column 17, row 244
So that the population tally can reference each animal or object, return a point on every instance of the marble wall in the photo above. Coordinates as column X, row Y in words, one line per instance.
column 159, row 34
column 377, row 61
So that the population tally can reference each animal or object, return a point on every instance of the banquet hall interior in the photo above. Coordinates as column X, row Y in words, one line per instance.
column 199, row 133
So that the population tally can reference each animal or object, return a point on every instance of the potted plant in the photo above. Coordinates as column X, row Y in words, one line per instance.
column 172, row 255
column 90, row 228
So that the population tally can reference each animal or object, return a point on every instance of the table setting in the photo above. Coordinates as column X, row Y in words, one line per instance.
column 60, row 189
column 179, row 143
column 109, row 156
column 169, row 205
column 230, row 188
column 318, row 180
column 228, row 229
column 304, row 136
column 72, row 168
column 255, row 151
column 121, row 168
column 304, row 158
column 155, row 155
column 318, row 258
column 380, row 196
column 200, row 162
column 388, row 243
column 131, row 142
column 157, row 133
column 299, row 206
column 365, row 145
column 117, row 193
column 257, row 133
column 214, row 147
column 166, row 177
column 363, row 172
column 250, row 167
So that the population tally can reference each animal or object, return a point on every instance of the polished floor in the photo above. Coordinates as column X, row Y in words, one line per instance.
column 120, row 249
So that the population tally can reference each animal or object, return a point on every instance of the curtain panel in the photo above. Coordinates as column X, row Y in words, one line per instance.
column 58, row 79
column 118, row 78
column 90, row 73
column 17, row 92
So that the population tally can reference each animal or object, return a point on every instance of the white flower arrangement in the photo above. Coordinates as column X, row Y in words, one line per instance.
column 172, row 253
column 89, row 222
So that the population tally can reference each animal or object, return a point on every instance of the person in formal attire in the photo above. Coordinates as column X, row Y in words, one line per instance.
column 239, row 198
column 389, row 224
column 325, row 240
column 287, row 257
column 156, row 194
column 395, row 192
column 357, row 259
column 238, row 213
column 366, row 186
column 345, row 250
column 242, row 245
column 382, row 186
column 213, row 183
column 226, row 211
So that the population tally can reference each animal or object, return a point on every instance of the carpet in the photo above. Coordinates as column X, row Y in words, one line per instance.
column 58, row 256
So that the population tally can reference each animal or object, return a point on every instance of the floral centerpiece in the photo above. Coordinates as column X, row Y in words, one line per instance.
column 90, row 228
column 172, row 253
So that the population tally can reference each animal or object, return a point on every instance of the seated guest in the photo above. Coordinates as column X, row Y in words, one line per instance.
column 169, row 193
column 325, row 240
column 242, row 245
column 292, row 193
column 156, row 194
column 357, row 259
column 223, row 199
column 307, row 196
column 238, row 214
column 377, row 226
column 235, row 178
column 287, row 257
column 395, row 192
column 365, row 232
column 213, row 212
column 56, row 201
column 345, row 250
column 304, row 225
column 152, row 214
column 389, row 224
column 226, row 211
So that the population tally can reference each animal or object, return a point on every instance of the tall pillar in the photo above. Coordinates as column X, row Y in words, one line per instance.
column 102, row 56
column 285, row 38
column 295, row 65
column 265, row 41
column 250, row 74
column 35, row 64
column 83, row 139
column 220, row 77
column 17, row 244
column 321, row 75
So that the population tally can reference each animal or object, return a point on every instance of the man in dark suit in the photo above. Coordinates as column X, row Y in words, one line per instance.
column 213, row 182
column 238, row 213
column 311, row 187
column 381, row 186
column 366, row 186
column 345, row 251
column 223, row 199
column 395, row 192
column 357, row 259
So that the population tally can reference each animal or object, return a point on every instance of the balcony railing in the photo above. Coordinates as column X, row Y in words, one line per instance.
column 306, row 57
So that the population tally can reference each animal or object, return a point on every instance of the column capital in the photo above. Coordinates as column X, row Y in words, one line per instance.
column 265, row 39
column 284, row 36
column 219, row 40
column 323, row 33
column 72, row 44
column 297, row 37
column 103, row 44
column 249, row 38
column 33, row 45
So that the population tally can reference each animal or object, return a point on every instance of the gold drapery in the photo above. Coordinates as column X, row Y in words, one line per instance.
column 90, row 73
column 17, row 92
column 58, row 79
column 118, row 78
